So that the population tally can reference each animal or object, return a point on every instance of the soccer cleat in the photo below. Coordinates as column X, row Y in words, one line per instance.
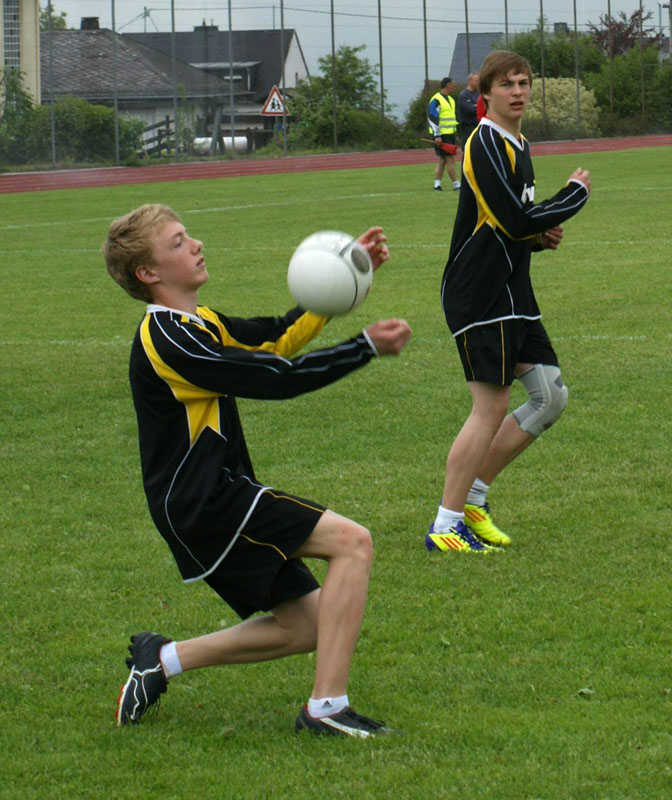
column 456, row 186
column 146, row 682
column 346, row 723
column 438, row 188
column 480, row 522
column 459, row 538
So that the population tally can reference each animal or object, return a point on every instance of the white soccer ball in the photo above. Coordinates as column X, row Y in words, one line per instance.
column 330, row 273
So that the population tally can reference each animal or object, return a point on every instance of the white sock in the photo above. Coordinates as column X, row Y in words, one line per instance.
column 445, row 519
column 170, row 660
column 326, row 706
column 477, row 493
column 437, row 183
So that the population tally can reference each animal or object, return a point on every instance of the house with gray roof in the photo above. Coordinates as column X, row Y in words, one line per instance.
column 466, row 61
column 84, row 64
column 137, row 70
column 257, row 56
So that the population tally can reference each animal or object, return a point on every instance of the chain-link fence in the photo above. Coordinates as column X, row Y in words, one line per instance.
column 172, row 91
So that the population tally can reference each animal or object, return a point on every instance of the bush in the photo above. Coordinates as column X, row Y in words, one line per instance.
column 560, row 102
column 84, row 133
column 356, row 128
column 368, row 130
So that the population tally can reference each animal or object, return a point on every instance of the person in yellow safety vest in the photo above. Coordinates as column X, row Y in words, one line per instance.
column 442, row 118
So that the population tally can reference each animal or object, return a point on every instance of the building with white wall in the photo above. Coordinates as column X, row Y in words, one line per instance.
column 19, row 41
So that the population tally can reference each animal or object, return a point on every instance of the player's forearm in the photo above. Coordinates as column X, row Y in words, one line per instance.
column 274, row 378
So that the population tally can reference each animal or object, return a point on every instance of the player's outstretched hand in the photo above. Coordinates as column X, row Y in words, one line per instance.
column 551, row 238
column 374, row 241
column 581, row 175
column 389, row 336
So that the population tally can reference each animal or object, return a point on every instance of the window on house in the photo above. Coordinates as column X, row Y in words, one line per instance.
column 10, row 18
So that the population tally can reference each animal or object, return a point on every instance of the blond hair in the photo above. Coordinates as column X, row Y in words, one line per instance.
column 128, row 245
column 501, row 63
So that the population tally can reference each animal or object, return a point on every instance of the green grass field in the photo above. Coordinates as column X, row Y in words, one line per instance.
column 542, row 672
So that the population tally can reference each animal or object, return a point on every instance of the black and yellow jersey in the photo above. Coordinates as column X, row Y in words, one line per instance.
column 487, row 277
column 185, row 373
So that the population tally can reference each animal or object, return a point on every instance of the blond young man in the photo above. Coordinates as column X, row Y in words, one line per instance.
column 490, row 307
column 245, row 539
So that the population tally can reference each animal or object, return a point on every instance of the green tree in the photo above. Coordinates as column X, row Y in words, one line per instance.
column 358, row 116
column 58, row 21
column 622, row 33
column 560, row 52
column 15, row 112
column 355, row 78
column 627, row 93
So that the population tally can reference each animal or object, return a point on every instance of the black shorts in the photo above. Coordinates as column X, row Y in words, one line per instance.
column 490, row 353
column 259, row 572
column 446, row 138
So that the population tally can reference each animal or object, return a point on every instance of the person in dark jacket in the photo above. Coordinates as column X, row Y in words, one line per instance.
column 467, row 101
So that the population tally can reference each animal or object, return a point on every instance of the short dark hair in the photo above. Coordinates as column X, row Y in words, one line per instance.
column 501, row 62
column 445, row 82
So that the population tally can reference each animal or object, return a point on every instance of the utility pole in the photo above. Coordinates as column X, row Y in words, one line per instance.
column 114, row 87
column 380, row 50
column 282, row 81
column 424, row 27
column 333, row 79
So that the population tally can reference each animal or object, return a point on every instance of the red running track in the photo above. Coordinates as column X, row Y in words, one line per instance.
column 114, row 176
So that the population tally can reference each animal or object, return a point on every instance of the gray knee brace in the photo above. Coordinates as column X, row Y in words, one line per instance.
column 548, row 399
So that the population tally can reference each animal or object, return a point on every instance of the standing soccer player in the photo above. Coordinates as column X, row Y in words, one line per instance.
column 246, row 540
column 490, row 307
column 442, row 120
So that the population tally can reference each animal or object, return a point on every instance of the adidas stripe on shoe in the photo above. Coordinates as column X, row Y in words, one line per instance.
column 479, row 520
column 346, row 723
column 459, row 538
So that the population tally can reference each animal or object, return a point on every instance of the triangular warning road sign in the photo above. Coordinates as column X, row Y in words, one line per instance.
column 274, row 106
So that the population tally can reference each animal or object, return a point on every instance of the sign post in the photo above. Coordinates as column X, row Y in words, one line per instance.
column 275, row 107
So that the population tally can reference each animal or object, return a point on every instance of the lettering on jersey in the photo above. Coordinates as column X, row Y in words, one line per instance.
column 527, row 195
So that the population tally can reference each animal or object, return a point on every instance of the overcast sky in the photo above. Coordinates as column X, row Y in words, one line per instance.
column 356, row 23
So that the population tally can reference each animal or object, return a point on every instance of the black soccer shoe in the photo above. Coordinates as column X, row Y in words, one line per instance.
column 346, row 723
column 146, row 682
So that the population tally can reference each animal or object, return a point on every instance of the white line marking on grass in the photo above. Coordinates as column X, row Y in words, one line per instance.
column 269, row 248
column 602, row 337
column 324, row 341
column 212, row 210
column 72, row 343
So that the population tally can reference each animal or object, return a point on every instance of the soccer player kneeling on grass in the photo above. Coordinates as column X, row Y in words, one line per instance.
column 490, row 307
column 244, row 539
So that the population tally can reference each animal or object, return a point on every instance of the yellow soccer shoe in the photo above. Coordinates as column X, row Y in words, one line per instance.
column 479, row 520
column 459, row 539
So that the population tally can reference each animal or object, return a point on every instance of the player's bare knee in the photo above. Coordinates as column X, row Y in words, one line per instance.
column 547, row 399
column 358, row 542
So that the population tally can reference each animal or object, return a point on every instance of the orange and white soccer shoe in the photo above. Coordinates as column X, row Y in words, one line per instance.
column 479, row 520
